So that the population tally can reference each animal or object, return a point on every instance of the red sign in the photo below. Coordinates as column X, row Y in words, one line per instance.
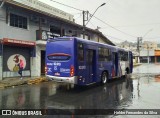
column 18, row 42
column 157, row 52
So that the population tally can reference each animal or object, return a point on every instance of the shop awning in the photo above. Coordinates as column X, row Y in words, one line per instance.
column 16, row 42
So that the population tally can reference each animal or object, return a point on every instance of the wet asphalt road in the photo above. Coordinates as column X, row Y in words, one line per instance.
column 140, row 91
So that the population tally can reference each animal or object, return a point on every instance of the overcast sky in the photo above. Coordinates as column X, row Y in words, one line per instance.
column 126, row 19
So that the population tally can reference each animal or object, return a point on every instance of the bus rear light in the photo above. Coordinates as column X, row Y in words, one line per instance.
column 46, row 69
column 113, row 73
column 72, row 70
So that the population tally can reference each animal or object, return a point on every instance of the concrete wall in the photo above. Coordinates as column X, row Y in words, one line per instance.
column 101, row 41
column 18, row 33
column 147, row 53
column 36, row 61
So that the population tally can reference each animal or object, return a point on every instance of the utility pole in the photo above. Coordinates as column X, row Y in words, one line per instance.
column 148, row 52
column 139, row 42
column 83, row 24
column 85, row 18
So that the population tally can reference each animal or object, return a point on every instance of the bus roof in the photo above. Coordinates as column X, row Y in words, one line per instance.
column 89, row 42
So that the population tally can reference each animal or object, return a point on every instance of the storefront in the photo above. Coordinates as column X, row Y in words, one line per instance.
column 157, row 56
column 143, row 59
column 12, row 51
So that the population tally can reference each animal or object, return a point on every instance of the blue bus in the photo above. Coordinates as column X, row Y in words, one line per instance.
column 84, row 62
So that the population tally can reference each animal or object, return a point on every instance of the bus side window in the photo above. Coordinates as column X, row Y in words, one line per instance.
column 104, row 54
column 127, row 56
column 107, row 54
column 80, row 52
column 123, row 55
column 100, row 54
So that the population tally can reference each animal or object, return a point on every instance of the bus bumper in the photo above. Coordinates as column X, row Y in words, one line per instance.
column 71, row 80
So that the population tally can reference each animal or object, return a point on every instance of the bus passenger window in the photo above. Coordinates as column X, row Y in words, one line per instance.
column 104, row 54
column 80, row 52
column 100, row 54
column 107, row 54
column 123, row 55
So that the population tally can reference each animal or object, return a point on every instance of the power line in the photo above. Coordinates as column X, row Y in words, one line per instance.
column 66, row 5
column 114, row 37
column 77, row 13
column 135, row 25
column 115, row 28
column 92, row 24
column 78, row 16
column 96, row 18
column 152, row 38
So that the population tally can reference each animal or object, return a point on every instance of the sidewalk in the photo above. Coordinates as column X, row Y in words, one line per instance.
column 136, row 64
column 16, row 81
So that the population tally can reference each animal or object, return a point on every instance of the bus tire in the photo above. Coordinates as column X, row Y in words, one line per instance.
column 104, row 77
column 126, row 73
column 125, row 76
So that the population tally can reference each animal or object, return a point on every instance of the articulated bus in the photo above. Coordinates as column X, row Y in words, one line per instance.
column 84, row 62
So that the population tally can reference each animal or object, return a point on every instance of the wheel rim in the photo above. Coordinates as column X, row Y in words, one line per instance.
column 104, row 78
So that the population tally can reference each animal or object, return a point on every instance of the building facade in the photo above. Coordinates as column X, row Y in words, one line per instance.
column 25, row 27
column 149, row 52
column 148, row 45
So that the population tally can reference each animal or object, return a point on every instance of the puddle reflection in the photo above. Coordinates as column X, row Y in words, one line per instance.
column 116, row 94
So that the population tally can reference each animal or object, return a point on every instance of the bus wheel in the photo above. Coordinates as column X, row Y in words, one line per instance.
column 104, row 77
column 125, row 76
column 126, row 73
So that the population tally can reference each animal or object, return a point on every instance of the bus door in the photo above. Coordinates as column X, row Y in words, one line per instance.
column 115, row 62
column 90, row 65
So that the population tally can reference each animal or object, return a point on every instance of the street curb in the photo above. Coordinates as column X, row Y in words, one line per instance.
column 136, row 64
column 22, row 82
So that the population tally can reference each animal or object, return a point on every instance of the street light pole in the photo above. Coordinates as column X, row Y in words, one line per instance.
column 84, row 24
column 95, row 12
column 84, row 12
column 147, row 44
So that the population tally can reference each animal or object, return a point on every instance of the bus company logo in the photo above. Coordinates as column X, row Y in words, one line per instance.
column 55, row 67
column 49, row 69
column 57, row 64
column 82, row 67
column 49, row 64
column 6, row 112
column 57, row 74
column 64, row 70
